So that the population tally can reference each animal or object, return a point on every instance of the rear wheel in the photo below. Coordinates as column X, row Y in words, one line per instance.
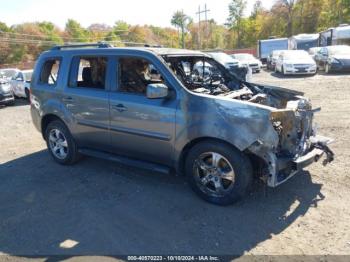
column 218, row 173
column 60, row 143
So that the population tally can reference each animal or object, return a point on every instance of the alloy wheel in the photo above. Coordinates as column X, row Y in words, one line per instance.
column 214, row 174
column 58, row 144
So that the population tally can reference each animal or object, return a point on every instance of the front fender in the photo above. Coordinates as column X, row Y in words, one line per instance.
column 236, row 122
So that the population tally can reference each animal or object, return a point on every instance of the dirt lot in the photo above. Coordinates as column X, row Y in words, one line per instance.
column 109, row 209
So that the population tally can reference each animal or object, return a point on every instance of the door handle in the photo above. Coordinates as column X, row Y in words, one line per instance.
column 67, row 99
column 119, row 107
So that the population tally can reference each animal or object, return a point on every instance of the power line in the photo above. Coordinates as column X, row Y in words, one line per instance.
column 29, row 41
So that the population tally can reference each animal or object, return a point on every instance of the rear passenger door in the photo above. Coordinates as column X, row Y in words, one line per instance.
column 86, row 99
column 141, row 127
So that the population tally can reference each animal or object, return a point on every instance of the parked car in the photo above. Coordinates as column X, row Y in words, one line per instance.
column 219, row 131
column 6, row 94
column 313, row 51
column 334, row 58
column 8, row 73
column 272, row 58
column 294, row 62
column 249, row 60
column 233, row 65
column 20, row 83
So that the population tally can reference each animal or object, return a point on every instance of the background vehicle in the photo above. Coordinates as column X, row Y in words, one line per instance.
column 295, row 62
column 272, row 58
column 233, row 65
column 313, row 51
column 6, row 94
column 20, row 83
column 265, row 47
column 334, row 58
column 209, row 128
column 303, row 41
column 248, row 60
column 335, row 36
column 8, row 73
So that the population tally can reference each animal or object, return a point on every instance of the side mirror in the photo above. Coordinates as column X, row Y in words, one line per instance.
column 156, row 91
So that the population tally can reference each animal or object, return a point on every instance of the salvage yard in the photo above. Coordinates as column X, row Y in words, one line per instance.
column 102, row 208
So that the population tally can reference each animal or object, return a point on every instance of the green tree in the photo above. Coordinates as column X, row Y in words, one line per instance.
column 76, row 32
column 234, row 21
column 181, row 21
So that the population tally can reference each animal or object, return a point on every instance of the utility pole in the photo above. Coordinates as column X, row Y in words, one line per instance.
column 205, row 11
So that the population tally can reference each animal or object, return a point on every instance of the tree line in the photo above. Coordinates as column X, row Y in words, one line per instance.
column 24, row 42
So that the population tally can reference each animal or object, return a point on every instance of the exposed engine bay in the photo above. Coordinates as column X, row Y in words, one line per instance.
column 204, row 75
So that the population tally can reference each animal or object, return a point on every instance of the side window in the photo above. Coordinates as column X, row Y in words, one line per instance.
column 135, row 74
column 49, row 72
column 88, row 72
column 19, row 77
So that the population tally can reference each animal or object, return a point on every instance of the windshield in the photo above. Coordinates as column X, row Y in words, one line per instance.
column 222, row 58
column 243, row 57
column 203, row 74
column 296, row 55
column 8, row 73
column 339, row 50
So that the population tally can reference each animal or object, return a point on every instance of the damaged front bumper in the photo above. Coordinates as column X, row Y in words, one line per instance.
column 279, row 169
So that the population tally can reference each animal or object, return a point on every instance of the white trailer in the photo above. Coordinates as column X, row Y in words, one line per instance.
column 335, row 36
column 303, row 41
column 265, row 47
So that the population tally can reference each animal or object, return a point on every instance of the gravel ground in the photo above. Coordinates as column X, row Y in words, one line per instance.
column 99, row 207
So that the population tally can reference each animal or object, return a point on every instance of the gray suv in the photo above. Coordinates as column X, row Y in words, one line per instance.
column 146, row 107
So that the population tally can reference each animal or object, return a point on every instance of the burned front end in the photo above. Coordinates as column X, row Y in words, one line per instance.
column 298, row 145
column 272, row 124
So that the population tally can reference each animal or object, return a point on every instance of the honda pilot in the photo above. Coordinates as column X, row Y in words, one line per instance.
column 150, row 108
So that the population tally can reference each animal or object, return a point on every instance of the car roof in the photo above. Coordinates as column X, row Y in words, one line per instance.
column 155, row 50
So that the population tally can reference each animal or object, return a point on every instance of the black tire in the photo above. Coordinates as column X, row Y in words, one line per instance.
column 11, row 103
column 243, row 173
column 27, row 94
column 72, row 155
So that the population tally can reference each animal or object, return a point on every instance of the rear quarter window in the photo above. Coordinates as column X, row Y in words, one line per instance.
column 49, row 72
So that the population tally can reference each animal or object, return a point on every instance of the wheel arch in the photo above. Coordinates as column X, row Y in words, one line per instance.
column 46, row 120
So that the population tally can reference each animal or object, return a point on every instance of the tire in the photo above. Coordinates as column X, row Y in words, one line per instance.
column 26, row 91
column 11, row 103
column 205, row 179
column 62, row 139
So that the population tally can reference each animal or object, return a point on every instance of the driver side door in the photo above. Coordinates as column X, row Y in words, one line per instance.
column 140, row 127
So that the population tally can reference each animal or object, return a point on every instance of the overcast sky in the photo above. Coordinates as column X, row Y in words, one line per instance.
column 154, row 12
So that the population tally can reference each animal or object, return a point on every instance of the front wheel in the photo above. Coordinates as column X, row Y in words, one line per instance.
column 218, row 173
column 60, row 143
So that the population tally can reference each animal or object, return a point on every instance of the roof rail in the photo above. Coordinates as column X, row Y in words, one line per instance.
column 98, row 45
